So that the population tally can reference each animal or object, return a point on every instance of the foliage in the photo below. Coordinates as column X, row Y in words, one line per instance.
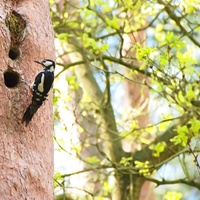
column 103, row 49
column 173, row 195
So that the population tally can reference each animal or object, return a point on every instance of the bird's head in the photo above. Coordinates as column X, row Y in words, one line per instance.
column 47, row 64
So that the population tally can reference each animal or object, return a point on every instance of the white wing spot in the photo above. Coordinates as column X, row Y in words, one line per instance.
column 41, row 85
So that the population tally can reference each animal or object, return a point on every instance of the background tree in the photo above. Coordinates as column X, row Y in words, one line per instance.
column 94, row 125
column 26, row 163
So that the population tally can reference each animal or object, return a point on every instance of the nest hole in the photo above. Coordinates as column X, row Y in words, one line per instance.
column 11, row 78
column 13, row 54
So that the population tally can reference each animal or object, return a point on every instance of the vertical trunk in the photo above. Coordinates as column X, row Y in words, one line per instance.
column 111, row 145
column 26, row 153
column 137, row 96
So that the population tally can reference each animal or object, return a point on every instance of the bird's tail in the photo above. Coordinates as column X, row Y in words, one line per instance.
column 30, row 111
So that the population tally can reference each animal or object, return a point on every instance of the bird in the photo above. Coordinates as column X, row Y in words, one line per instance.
column 40, row 89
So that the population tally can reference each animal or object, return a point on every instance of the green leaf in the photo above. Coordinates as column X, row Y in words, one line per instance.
column 114, row 22
column 169, row 37
column 173, row 195
column 158, row 148
column 194, row 126
column 143, row 167
column 58, row 179
column 126, row 161
column 182, row 137
column 93, row 159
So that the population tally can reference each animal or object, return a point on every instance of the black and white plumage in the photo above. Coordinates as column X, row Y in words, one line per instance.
column 41, row 86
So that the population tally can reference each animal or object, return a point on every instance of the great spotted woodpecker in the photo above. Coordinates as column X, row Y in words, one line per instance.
column 41, row 86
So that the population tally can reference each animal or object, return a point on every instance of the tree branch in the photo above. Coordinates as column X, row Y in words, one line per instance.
column 170, row 151
column 87, row 170
column 169, row 10
column 115, row 60
column 191, row 183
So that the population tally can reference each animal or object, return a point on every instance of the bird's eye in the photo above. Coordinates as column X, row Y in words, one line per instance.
column 45, row 63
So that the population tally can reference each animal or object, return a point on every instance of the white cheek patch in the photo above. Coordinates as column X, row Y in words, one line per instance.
column 47, row 63
column 41, row 85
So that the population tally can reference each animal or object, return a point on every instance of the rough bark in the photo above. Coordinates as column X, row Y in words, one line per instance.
column 26, row 153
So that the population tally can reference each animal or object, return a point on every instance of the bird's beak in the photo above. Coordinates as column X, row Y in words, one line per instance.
column 39, row 62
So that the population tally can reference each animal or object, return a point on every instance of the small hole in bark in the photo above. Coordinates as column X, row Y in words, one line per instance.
column 14, row 54
column 11, row 78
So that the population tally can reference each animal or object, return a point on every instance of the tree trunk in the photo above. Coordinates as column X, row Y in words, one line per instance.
column 26, row 153
column 137, row 98
column 111, row 145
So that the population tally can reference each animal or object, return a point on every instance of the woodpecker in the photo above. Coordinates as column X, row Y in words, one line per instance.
column 41, row 86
